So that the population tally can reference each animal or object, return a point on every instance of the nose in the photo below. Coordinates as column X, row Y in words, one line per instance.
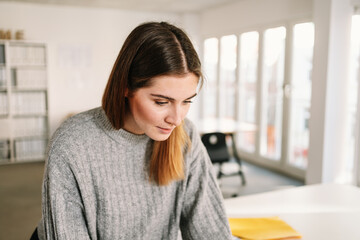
column 175, row 116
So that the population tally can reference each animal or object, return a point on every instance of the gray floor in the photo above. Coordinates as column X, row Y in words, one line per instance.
column 258, row 180
column 20, row 199
column 20, row 193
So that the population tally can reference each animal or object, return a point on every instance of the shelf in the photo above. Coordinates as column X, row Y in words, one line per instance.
column 24, row 126
column 25, row 43
column 32, row 137
column 23, row 89
column 30, row 115
column 35, row 159
column 28, row 65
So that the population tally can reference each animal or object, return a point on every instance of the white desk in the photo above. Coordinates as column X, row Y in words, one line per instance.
column 317, row 212
column 226, row 126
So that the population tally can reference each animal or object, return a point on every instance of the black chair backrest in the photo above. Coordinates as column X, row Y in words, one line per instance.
column 216, row 146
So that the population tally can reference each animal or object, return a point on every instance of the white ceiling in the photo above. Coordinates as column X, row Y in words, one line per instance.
column 175, row 6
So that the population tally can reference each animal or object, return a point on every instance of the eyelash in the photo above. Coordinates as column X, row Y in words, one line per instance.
column 160, row 103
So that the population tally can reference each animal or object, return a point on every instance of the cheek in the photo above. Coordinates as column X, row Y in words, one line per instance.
column 145, row 113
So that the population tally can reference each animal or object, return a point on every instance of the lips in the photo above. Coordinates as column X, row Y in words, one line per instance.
column 165, row 130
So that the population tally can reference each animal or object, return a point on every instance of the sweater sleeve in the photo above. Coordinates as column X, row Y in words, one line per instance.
column 62, row 208
column 203, row 215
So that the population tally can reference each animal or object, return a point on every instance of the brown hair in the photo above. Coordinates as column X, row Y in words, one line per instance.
column 152, row 49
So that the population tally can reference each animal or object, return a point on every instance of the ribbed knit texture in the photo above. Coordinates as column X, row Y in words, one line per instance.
column 96, row 186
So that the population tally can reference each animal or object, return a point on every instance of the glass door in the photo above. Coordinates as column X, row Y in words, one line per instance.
column 272, row 93
column 210, row 88
column 248, row 83
column 227, row 81
column 299, row 94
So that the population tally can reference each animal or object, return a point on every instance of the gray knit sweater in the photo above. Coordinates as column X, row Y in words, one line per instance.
column 96, row 186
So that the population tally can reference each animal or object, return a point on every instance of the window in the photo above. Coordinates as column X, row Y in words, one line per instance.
column 300, row 93
column 249, row 54
column 209, row 92
column 272, row 94
column 227, row 80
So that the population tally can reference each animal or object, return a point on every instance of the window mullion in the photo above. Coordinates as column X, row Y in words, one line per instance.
column 259, row 94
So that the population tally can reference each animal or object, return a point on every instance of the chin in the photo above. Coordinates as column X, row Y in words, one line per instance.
column 159, row 137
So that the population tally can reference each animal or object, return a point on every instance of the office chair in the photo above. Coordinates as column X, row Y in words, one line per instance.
column 34, row 236
column 219, row 153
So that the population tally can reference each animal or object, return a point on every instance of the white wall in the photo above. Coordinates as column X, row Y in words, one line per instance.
column 83, row 44
column 249, row 14
column 328, row 124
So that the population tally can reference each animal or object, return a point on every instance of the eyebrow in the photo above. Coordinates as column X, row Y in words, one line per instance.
column 170, row 98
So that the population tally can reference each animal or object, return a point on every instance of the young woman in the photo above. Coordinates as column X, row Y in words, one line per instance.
column 136, row 168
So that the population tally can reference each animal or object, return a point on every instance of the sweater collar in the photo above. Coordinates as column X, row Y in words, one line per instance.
column 120, row 135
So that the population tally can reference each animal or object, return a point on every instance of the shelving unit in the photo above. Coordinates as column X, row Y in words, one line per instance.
column 24, row 125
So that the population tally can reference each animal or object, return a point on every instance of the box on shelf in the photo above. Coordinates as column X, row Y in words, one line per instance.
column 2, row 54
column 30, row 127
column 28, row 78
column 30, row 149
column 29, row 55
column 28, row 103
column 3, row 104
column 4, row 150
column 2, row 77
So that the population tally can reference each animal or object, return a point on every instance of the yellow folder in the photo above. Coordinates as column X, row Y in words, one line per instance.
column 269, row 228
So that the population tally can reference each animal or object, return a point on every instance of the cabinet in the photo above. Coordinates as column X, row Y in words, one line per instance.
column 24, row 125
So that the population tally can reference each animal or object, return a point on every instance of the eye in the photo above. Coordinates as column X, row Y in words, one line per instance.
column 161, row 103
column 187, row 101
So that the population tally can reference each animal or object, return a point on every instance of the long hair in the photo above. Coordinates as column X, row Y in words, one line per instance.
column 152, row 49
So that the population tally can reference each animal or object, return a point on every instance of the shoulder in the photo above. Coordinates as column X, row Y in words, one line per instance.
column 197, row 148
column 75, row 128
column 80, row 118
column 190, row 128
column 77, row 123
column 193, row 133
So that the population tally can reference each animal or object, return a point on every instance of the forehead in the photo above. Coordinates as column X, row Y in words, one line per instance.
column 173, row 84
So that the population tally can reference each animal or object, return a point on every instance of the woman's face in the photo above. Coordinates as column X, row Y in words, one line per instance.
column 156, row 110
